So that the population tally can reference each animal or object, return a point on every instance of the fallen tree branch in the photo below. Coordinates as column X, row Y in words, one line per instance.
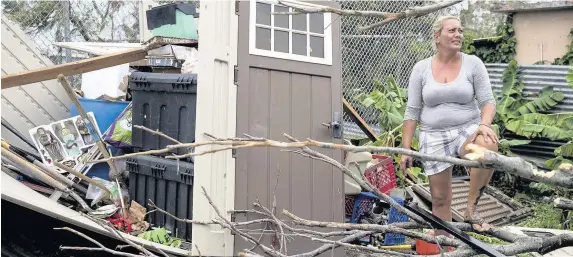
column 388, row 17
column 517, row 243
column 478, row 157
column 562, row 177
column 563, row 203
column 157, row 133
column 375, row 228
column 100, row 247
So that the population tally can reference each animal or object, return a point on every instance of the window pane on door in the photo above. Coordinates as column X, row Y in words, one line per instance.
column 281, row 20
column 299, row 22
column 263, row 14
column 316, row 22
column 263, row 38
column 299, row 44
column 317, row 46
column 281, row 41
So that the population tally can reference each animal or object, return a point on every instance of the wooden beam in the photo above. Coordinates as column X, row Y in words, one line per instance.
column 359, row 121
column 72, row 68
column 91, row 64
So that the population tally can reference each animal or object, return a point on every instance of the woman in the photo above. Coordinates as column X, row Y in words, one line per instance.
column 450, row 96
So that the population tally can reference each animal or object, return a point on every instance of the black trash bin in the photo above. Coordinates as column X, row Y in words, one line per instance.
column 164, row 102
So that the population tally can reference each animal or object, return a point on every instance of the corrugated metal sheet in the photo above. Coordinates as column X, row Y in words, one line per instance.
column 491, row 209
column 31, row 105
column 535, row 77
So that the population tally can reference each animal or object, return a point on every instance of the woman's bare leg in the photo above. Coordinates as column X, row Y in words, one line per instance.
column 441, row 190
column 479, row 179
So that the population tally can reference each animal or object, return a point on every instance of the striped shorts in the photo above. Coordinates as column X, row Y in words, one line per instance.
column 440, row 143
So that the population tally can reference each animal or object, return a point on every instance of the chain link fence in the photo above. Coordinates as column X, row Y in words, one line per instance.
column 367, row 56
column 389, row 50
column 48, row 22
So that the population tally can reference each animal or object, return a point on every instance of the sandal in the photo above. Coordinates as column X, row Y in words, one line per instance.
column 477, row 220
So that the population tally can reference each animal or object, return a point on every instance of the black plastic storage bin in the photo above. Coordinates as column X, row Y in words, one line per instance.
column 164, row 102
column 169, row 185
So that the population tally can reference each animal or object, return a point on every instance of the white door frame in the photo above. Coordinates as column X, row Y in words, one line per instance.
column 216, row 115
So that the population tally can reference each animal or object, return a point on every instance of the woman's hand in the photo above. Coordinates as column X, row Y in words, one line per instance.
column 487, row 133
column 405, row 162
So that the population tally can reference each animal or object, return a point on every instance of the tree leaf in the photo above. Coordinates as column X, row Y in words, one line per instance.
column 569, row 77
column 367, row 102
column 562, row 120
column 555, row 162
column 510, row 80
column 513, row 142
column 547, row 100
column 565, row 150
column 530, row 130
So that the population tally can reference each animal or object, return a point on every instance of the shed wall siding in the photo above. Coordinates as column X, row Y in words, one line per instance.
column 31, row 105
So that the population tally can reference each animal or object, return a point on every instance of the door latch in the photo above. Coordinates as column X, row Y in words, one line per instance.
column 335, row 126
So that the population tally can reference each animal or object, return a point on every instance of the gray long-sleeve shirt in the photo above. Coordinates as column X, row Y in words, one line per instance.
column 444, row 106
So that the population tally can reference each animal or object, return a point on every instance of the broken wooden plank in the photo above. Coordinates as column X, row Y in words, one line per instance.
column 72, row 68
column 91, row 64
column 359, row 121
column 99, row 142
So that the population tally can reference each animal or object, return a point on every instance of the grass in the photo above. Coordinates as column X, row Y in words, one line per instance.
column 544, row 216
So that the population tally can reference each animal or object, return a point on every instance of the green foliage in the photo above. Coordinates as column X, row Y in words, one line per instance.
column 530, row 130
column 565, row 150
column 390, row 100
column 419, row 175
column 159, row 235
column 487, row 239
column 546, row 101
column 500, row 49
column 569, row 77
column 467, row 43
column 511, row 93
column 506, row 144
column 555, row 162
column 510, row 100
column 544, row 216
column 528, row 118
column 567, row 58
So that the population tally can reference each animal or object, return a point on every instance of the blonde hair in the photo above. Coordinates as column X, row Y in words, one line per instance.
column 439, row 25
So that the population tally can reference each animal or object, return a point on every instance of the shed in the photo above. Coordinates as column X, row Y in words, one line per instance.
column 262, row 75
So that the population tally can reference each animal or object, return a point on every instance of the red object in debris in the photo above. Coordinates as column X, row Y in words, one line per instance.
column 381, row 175
column 120, row 223
column 425, row 248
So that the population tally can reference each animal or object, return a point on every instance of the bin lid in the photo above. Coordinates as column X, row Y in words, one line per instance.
column 165, row 14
